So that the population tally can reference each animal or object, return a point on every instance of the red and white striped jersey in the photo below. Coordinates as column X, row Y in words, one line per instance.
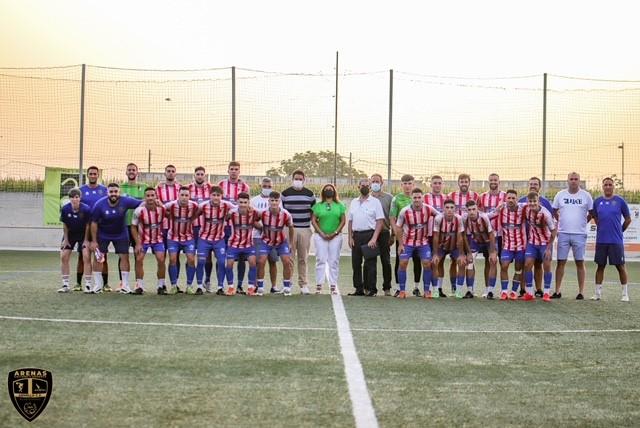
column 415, row 224
column 513, row 226
column 230, row 190
column 273, row 226
column 448, row 230
column 213, row 220
column 479, row 229
column 489, row 202
column 242, row 228
column 180, row 220
column 460, row 199
column 435, row 201
column 540, row 224
column 199, row 194
column 149, row 223
column 167, row 192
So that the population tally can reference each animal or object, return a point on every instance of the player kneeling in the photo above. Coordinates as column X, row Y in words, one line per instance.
column 147, row 233
column 542, row 233
column 76, row 218
column 243, row 219
column 412, row 230
column 273, row 223
column 481, row 238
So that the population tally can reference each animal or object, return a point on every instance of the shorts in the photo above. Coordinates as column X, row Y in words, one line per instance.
column 205, row 247
column 614, row 252
column 196, row 235
column 424, row 251
column 454, row 254
column 479, row 248
column 187, row 247
column 235, row 253
column 535, row 252
column 155, row 248
column 509, row 256
column 73, row 241
column 575, row 242
column 121, row 245
column 132, row 242
column 499, row 244
column 258, row 243
column 281, row 250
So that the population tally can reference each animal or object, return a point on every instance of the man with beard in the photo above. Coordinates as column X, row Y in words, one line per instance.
column 199, row 192
column 133, row 189
column 489, row 201
column 91, row 193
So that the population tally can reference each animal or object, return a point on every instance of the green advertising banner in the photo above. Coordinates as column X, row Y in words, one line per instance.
column 57, row 183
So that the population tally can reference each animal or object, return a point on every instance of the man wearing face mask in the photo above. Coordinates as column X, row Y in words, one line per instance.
column 366, row 218
column 384, row 240
column 261, row 203
column 298, row 200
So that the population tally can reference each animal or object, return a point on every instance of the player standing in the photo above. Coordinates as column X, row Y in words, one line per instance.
column 540, row 236
column 481, row 238
column 181, row 214
column 76, row 219
column 243, row 218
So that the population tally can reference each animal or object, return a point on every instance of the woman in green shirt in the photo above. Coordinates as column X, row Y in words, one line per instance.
column 328, row 219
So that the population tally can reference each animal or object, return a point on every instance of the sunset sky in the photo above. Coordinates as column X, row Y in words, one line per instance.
column 465, row 39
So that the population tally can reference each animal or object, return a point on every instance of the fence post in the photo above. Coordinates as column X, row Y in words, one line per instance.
column 335, row 131
column 233, row 113
column 390, row 126
column 544, row 133
column 81, row 154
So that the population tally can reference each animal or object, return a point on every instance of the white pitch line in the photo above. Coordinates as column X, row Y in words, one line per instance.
column 294, row 328
column 363, row 410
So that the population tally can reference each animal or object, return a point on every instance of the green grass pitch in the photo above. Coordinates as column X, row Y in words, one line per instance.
column 204, row 370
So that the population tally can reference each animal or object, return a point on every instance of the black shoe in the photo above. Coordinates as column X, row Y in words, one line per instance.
column 356, row 293
column 490, row 295
column 220, row 292
column 397, row 293
column 199, row 291
column 240, row 290
column 556, row 295
column 539, row 293
column 371, row 294
column 416, row 292
column 138, row 291
column 162, row 291
column 468, row 295
column 522, row 292
column 442, row 293
column 579, row 296
column 178, row 290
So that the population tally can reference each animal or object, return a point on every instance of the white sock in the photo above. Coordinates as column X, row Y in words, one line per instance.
column 625, row 290
column 439, row 282
column 87, row 280
column 65, row 281
column 160, row 282
column 97, row 280
column 598, row 290
column 416, row 285
column 529, row 289
column 125, row 280
column 140, row 283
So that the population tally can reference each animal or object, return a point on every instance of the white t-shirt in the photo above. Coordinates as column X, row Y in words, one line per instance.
column 260, row 203
column 363, row 215
column 573, row 209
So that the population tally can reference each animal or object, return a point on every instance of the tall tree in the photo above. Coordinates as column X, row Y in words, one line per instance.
column 316, row 164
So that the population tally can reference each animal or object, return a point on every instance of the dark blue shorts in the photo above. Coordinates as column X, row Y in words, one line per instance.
column 121, row 245
column 424, row 251
column 535, row 252
column 453, row 253
column 205, row 247
column 73, row 241
column 236, row 253
column 281, row 250
column 613, row 252
column 187, row 247
column 509, row 256
column 155, row 248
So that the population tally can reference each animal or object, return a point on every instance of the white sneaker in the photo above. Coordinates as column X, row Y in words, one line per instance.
column 260, row 292
column 96, row 290
column 305, row 290
column 485, row 293
column 596, row 297
column 334, row 290
column 287, row 291
column 625, row 298
column 64, row 289
column 124, row 290
column 87, row 289
column 207, row 287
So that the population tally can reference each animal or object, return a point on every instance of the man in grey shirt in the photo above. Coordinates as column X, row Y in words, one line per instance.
column 384, row 239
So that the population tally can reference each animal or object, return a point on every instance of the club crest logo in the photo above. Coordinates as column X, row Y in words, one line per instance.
column 30, row 390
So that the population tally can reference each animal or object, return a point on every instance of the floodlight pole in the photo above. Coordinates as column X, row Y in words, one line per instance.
column 544, row 133
column 81, row 155
column 233, row 113
column 335, row 130
column 390, row 127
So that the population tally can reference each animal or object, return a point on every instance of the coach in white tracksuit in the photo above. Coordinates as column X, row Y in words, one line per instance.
column 328, row 219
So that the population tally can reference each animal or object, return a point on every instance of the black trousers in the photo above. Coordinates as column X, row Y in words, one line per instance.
column 364, row 277
column 417, row 266
column 384, row 243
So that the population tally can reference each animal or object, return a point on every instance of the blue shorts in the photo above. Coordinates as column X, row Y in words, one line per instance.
column 535, row 252
column 574, row 241
column 424, row 251
column 236, row 253
column 196, row 235
column 281, row 250
column 453, row 253
column 121, row 245
column 205, row 247
column 613, row 252
column 155, row 248
column 187, row 247
column 258, row 243
column 479, row 248
column 73, row 241
column 499, row 244
column 509, row 256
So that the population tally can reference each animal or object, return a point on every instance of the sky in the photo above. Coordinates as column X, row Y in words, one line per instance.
column 435, row 122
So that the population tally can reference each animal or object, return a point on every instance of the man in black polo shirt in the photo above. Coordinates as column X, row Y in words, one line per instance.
column 298, row 200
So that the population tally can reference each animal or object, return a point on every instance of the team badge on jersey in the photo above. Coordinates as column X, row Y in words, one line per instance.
column 30, row 390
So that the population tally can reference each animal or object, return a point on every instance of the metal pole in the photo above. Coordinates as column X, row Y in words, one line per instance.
column 390, row 127
column 335, row 130
column 544, row 133
column 149, row 162
column 81, row 155
column 233, row 113
column 621, row 146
